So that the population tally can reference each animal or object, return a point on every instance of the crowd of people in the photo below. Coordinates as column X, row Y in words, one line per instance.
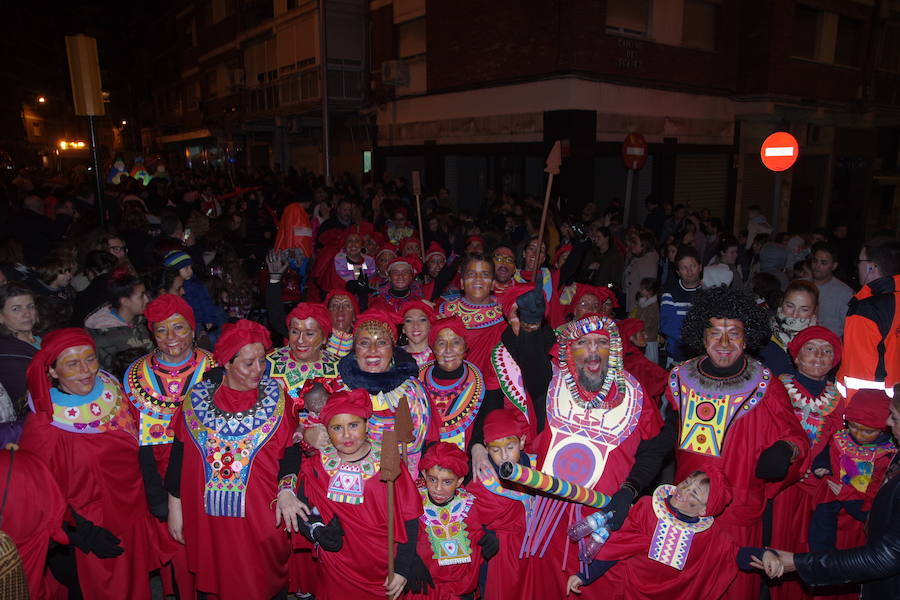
column 256, row 385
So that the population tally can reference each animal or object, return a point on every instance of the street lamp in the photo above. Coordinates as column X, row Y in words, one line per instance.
column 124, row 122
column 41, row 99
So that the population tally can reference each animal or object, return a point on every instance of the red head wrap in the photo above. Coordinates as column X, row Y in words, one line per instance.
column 411, row 261
column 816, row 332
column 627, row 328
column 435, row 249
column 237, row 335
column 602, row 293
column 560, row 251
column 167, row 305
column 388, row 318
column 448, row 456
column 453, row 323
column 504, row 423
column 336, row 292
column 353, row 402
column 419, row 305
column 475, row 238
column 306, row 310
column 386, row 248
column 870, row 408
column 410, row 240
column 294, row 230
column 52, row 345
column 719, row 490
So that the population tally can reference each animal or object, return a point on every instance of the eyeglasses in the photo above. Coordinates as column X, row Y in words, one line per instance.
column 117, row 249
column 502, row 258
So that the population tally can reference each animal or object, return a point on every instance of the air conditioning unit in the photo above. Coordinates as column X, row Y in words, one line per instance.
column 395, row 72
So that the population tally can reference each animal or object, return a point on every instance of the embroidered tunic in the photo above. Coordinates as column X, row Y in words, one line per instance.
column 485, row 324
column 456, row 403
column 292, row 374
column 384, row 405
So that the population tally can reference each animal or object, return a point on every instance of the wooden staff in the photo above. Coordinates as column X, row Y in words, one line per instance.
column 390, row 471
column 554, row 160
column 417, row 192
column 403, row 425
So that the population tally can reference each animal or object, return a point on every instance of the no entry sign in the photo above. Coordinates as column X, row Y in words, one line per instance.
column 634, row 151
column 779, row 151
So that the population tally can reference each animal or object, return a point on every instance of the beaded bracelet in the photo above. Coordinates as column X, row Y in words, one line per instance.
column 289, row 483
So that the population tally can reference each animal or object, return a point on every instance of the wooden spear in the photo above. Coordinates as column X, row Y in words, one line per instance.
column 390, row 471
column 417, row 192
column 403, row 425
column 554, row 160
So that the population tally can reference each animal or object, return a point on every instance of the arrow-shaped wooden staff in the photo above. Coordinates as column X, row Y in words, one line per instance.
column 390, row 471
column 554, row 160
column 403, row 425
column 417, row 192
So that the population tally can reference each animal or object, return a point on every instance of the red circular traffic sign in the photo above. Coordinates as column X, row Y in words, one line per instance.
column 779, row 151
column 634, row 151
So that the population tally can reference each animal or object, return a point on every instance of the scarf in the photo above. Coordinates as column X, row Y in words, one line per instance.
column 785, row 328
column 403, row 368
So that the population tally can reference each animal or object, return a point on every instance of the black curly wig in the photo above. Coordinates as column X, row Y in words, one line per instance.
column 723, row 303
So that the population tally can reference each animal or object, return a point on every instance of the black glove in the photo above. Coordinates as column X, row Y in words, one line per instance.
column 532, row 303
column 489, row 543
column 88, row 537
column 774, row 461
column 619, row 505
column 579, row 233
column 331, row 536
column 160, row 511
column 418, row 580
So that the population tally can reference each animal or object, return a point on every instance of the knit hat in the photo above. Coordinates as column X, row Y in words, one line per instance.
column 177, row 259
column 870, row 408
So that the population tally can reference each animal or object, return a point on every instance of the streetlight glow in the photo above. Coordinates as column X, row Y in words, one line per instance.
column 41, row 99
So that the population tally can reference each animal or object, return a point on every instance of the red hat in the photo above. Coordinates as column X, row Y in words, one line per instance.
column 602, row 293
column 453, row 323
column 306, row 310
column 411, row 261
column 333, row 238
column 511, row 295
column 167, row 305
column 870, row 408
column 435, row 249
column 352, row 402
column 388, row 318
column 388, row 247
column 237, row 335
column 448, row 456
column 629, row 327
column 504, row 423
column 719, row 490
column 408, row 240
column 342, row 292
column 418, row 305
column 560, row 251
column 52, row 345
column 474, row 238
column 816, row 332
column 400, row 209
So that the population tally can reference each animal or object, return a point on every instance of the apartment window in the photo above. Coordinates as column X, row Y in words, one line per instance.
column 411, row 39
column 344, row 78
column 806, row 32
column 628, row 16
column 700, row 25
column 309, row 84
column 847, row 45
column 889, row 60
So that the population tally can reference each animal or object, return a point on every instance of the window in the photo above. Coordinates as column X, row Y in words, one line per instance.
column 411, row 39
column 344, row 78
column 628, row 16
column 806, row 33
column 847, row 45
column 700, row 25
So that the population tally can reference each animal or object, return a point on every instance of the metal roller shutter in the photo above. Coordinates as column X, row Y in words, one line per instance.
column 701, row 181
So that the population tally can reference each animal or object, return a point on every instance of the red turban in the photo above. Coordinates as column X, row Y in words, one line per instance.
column 52, row 345
column 378, row 315
column 475, row 238
column 511, row 295
column 237, row 335
column 435, row 249
column 167, row 305
column 602, row 293
column 408, row 240
column 386, row 248
column 294, row 230
column 353, row 402
column 816, row 332
column 629, row 327
column 341, row 292
column 560, row 251
column 505, row 423
column 453, row 323
column 870, row 408
column 448, row 456
column 306, row 310
column 719, row 490
column 419, row 305
column 411, row 261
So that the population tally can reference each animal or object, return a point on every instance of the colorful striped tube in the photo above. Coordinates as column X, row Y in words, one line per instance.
column 551, row 485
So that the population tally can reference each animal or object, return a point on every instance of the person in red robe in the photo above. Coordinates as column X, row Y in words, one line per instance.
column 349, row 502
column 232, row 441
column 402, row 287
column 83, row 431
column 651, row 376
column 731, row 412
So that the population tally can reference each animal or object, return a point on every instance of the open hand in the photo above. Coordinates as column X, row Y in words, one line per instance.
column 288, row 508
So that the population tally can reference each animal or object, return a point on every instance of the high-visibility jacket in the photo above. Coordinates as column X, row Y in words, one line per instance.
column 872, row 339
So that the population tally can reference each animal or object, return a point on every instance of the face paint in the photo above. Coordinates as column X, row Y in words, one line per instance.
column 449, row 350
column 305, row 339
column 374, row 347
column 590, row 355
column 441, row 484
column 174, row 338
column 76, row 370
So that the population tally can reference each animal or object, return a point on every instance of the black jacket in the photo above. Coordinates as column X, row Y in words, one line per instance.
column 877, row 564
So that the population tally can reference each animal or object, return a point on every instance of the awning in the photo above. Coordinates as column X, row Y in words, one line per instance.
column 196, row 134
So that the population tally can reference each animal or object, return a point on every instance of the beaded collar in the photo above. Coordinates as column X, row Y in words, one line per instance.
column 293, row 373
column 607, row 396
column 457, row 403
column 160, row 388
column 446, row 527
column 672, row 537
column 347, row 481
column 474, row 316
column 99, row 411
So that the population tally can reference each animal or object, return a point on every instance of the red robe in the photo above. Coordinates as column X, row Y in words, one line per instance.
column 30, row 524
column 650, row 375
column 708, row 570
column 358, row 570
column 484, row 326
column 761, row 417
column 98, row 475
column 236, row 557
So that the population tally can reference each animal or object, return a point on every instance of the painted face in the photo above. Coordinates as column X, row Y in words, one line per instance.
column 416, row 326
column 476, row 281
column 76, row 370
column 174, row 338
column 507, row 449
column 690, row 496
column 862, row 433
column 823, row 265
column 305, row 337
column 590, row 356
column 341, row 310
column 725, row 341
column 532, row 260
column 798, row 304
column 589, row 303
column 374, row 348
column 348, row 434
column 449, row 350
column 247, row 367
column 354, row 245
column 137, row 301
column 411, row 249
column 441, row 484
column 19, row 314
column 689, row 271
column 504, row 264
column 400, row 276
column 435, row 263
column 815, row 359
